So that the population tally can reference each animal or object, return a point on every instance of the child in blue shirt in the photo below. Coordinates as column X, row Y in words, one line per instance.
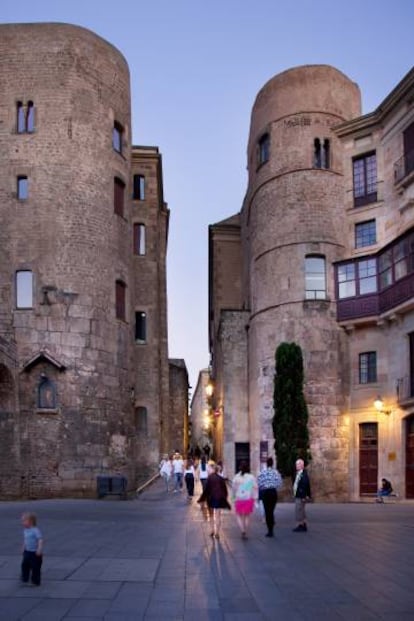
column 32, row 549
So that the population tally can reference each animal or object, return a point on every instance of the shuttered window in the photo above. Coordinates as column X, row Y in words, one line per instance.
column 119, row 193
column 138, row 188
column 120, row 291
column 139, row 239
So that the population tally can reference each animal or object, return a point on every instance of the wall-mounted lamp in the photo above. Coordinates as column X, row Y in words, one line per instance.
column 379, row 406
column 209, row 389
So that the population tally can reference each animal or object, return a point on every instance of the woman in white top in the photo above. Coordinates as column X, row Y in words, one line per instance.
column 245, row 492
column 166, row 470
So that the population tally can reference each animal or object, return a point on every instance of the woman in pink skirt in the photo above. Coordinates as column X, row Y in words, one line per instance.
column 244, row 493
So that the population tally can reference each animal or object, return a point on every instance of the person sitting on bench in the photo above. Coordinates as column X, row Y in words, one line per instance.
column 386, row 490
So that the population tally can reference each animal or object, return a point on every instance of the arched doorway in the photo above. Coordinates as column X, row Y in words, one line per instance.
column 409, row 457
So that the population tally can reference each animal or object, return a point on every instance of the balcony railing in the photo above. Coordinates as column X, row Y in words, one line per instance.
column 404, row 166
column 405, row 389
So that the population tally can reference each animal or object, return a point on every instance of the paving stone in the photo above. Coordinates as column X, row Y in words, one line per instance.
column 14, row 608
column 110, row 569
column 49, row 610
column 92, row 608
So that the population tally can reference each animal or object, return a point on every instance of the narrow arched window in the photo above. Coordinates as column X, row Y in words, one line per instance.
column 315, row 277
column 317, row 156
column 20, row 118
column 30, row 114
column 326, row 154
column 321, row 153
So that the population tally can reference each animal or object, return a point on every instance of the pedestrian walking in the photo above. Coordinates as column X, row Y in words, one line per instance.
column 244, row 492
column 166, row 471
column 215, row 494
column 32, row 550
column 178, row 468
column 269, row 481
column 302, row 495
column 203, row 472
column 189, row 478
column 206, row 451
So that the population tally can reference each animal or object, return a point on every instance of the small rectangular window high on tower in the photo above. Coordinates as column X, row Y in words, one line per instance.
column 139, row 239
column 22, row 188
column 119, row 194
column 138, row 193
column 117, row 136
column 24, row 289
column 25, row 117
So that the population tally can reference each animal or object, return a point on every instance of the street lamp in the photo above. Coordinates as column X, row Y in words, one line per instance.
column 209, row 390
column 379, row 406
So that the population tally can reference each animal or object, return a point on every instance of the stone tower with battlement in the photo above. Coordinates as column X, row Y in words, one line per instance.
column 292, row 225
column 289, row 235
column 83, row 329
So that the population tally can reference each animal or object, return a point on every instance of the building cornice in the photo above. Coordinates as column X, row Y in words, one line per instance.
column 404, row 89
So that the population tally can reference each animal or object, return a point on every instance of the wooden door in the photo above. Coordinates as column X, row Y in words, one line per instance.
column 368, row 458
column 409, row 458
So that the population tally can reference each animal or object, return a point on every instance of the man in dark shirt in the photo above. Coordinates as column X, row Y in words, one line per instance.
column 302, row 494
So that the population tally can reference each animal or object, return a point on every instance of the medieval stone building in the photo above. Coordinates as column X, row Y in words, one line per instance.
column 321, row 254
column 84, row 375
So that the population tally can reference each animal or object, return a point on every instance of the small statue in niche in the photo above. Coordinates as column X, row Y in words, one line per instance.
column 46, row 394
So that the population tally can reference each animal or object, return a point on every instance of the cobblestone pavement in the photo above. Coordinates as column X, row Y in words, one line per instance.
column 153, row 558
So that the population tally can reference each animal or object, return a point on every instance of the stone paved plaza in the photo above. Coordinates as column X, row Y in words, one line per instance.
column 152, row 558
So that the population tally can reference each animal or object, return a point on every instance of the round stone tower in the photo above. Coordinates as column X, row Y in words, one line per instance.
column 292, row 223
column 65, row 264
